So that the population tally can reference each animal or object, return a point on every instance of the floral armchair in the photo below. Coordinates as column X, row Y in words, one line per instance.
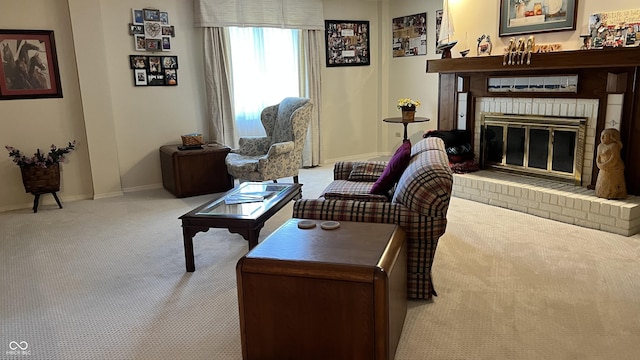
column 279, row 154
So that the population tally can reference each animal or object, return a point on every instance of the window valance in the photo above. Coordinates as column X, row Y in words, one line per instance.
column 291, row 14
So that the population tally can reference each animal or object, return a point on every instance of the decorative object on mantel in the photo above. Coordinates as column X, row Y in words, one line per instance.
column 408, row 107
column 519, row 53
column 151, row 30
column 586, row 42
column 41, row 173
column 614, row 29
column 445, row 37
column 610, row 183
column 484, row 45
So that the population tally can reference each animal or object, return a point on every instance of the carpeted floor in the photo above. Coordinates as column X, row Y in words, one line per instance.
column 105, row 279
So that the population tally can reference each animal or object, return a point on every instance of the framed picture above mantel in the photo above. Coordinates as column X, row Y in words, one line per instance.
column 536, row 16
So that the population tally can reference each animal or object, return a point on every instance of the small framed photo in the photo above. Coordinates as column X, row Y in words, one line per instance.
column 171, row 77
column 154, row 64
column 136, row 29
column 155, row 79
column 169, row 62
column 166, row 43
column 151, row 14
column 168, row 31
column 152, row 44
column 138, row 61
column 164, row 18
column 140, row 77
column 137, row 16
column 139, row 42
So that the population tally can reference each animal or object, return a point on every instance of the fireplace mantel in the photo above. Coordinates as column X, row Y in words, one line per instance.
column 578, row 59
column 600, row 72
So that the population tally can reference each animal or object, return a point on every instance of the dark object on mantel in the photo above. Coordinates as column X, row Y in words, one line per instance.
column 601, row 72
column 577, row 59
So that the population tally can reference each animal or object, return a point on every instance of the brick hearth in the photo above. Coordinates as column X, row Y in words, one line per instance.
column 550, row 199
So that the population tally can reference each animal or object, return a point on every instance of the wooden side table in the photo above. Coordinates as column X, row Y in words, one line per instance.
column 324, row 294
column 195, row 172
column 399, row 120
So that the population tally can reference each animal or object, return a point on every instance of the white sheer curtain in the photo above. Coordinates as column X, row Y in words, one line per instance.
column 264, row 68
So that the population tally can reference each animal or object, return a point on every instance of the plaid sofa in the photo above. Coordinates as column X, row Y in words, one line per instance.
column 418, row 203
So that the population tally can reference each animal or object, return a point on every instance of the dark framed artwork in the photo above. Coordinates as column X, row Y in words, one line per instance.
column 410, row 35
column 347, row 43
column 526, row 16
column 29, row 65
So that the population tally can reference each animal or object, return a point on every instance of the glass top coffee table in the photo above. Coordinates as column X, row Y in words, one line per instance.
column 242, row 210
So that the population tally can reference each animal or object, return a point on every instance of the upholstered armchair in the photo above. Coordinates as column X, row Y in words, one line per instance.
column 279, row 154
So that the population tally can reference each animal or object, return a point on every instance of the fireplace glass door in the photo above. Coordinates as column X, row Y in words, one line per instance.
column 547, row 149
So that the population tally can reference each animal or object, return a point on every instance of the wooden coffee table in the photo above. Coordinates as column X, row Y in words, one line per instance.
column 246, row 219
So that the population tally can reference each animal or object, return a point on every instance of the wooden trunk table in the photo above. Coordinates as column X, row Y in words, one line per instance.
column 195, row 172
column 324, row 294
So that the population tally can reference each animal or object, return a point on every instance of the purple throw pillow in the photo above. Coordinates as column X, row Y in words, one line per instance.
column 394, row 169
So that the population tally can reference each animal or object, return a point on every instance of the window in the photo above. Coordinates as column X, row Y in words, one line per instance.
column 264, row 68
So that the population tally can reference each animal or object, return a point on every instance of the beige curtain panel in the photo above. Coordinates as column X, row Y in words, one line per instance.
column 290, row 14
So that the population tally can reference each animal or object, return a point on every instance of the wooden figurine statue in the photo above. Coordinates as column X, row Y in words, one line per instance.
column 610, row 183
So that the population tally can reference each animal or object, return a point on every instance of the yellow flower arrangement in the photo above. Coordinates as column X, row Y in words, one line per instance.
column 408, row 103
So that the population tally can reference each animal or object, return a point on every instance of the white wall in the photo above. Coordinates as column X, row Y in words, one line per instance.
column 129, row 124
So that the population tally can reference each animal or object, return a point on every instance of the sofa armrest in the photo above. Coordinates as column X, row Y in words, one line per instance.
column 347, row 210
column 368, row 171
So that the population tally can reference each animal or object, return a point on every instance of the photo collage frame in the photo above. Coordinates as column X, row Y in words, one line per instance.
column 151, row 30
column 151, row 70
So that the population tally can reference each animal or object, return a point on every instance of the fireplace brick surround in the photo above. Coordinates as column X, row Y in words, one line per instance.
column 608, row 79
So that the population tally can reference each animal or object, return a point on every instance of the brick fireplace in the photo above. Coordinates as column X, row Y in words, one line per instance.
column 605, row 96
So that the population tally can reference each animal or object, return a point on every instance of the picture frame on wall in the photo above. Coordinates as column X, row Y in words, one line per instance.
column 526, row 17
column 140, row 44
column 169, row 62
column 152, row 44
column 151, row 14
column 170, row 77
column 166, row 43
column 410, row 35
column 140, row 77
column 347, row 43
column 137, row 16
column 138, row 61
column 25, row 49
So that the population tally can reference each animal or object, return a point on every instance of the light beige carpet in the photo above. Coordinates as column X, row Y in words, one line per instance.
column 105, row 279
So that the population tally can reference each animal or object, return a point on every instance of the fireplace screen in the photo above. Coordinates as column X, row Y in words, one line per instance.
column 537, row 145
